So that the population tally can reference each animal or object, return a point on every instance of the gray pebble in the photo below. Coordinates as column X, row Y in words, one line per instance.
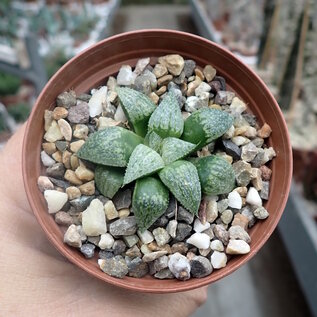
column 189, row 66
column 247, row 211
column 264, row 193
column 115, row 266
column 118, row 247
column 164, row 274
column 170, row 211
column 182, row 232
column 185, row 215
column 122, row 199
column 84, row 97
column 81, row 203
column 222, row 205
column 105, row 254
column 222, row 234
column 160, row 222
column 123, row 227
column 79, row 113
column 133, row 252
column 161, row 263
column 261, row 213
column 131, row 240
column 88, row 250
column 59, row 183
column 180, row 247
column 237, row 232
column 137, row 268
column 200, row 266
column 180, row 79
column 61, row 145
column 66, row 99
column 57, row 170
column 250, row 118
column 232, row 149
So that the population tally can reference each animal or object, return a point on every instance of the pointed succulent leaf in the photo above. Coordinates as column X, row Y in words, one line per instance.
column 167, row 118
column 143, row 162
column 216, row 175
column 154, row 141
column 181, row 178
column 175, row 149
column 108, row 179
column 111, row 146
column 206, row 125
column 149, row 202
column 137, row 108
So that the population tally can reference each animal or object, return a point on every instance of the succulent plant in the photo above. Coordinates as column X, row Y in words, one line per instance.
column 156, row 155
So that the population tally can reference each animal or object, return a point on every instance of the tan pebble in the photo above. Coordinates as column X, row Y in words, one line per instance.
column 66, row 129
column 190, row 255
column 88, row 188
column 53, row 133
column 173, row 62
column 265, row 131
column 250, row 132
column 225, row 156
column 66, row 159
column 44, row 183
column 240, row 220
column 49, row 148
column 75, row 146
column 244, row 201
column 112, row 96
column 110, row 210
column 164, row 80
column 192, row 86
column 59, row 189
column 57, row 156
column 80, row 131
column 72, row 178
column 159, row 70
column 256, row 178
column 74, row 162
column 240, row 131
column 123, row 213
column 209, row 72
column 214, row 106
column 266, row 173
column 48, row 118
column 60, row 113
column 199, row 74
column 154, row 97
column 105, row 122
column 242, row 191
column 161, row 91
column 83, row 173
column 63, row 218
column 73, row 192
column 154, row 247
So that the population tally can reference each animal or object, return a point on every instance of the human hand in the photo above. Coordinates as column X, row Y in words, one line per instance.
column 35, row 280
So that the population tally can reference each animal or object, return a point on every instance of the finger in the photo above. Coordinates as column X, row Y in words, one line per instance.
column 12, row 188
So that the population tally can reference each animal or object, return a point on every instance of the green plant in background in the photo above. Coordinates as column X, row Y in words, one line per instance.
column 157, row 163
column 19, row 112
column 9, row 84
column 54, row 62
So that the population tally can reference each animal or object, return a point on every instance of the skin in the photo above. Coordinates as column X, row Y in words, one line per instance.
column 35, row 280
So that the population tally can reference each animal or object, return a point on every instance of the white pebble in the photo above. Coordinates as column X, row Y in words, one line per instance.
column 125, row 76
column 240, row 140
column 141, row 64
column 119, row 115
column 72, row 237
column 253, row 197
column 145, row 236
column 55, row 200
column 171, row 228
column 199, row 227
column 216, row 245
column 199, row 240
column 203, row 87
column 44, row 183
column 218, row 260
column 237, row 105
column 66, row 129
column 106, row 241
column 179, row 266
column 234, row 200
column 46, row 159
column 97, row 100
column 105, row 122
column 94, row 219
column 53, row 133
column 237, row 247
column 145, row 249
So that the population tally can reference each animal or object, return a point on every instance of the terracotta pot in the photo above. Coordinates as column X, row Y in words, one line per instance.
column 91, row 68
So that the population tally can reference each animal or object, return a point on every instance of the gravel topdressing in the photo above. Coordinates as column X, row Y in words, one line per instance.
column 196, row 185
